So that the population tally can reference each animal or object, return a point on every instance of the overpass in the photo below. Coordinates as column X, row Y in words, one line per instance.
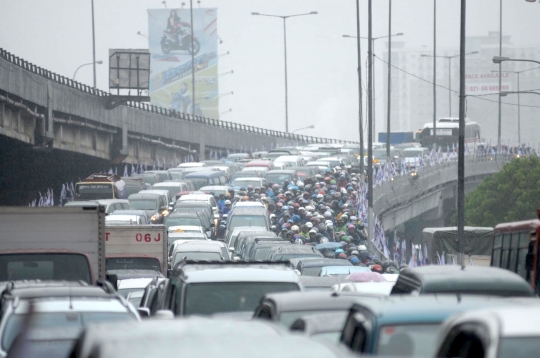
column 53, row 129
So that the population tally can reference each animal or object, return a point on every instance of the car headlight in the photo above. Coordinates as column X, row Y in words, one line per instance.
column 155, row 217
column 165, row 212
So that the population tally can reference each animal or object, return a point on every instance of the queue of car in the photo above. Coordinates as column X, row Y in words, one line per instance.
column 169, row 281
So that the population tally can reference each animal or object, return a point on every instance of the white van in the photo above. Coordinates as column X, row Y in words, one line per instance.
column 294, row 160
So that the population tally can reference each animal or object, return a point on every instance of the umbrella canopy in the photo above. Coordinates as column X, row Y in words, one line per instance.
column 329, row 245
column 366, row 277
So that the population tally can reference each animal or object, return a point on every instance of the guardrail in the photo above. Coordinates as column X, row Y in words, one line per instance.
column 28, row 66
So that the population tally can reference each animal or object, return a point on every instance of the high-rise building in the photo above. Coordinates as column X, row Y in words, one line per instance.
column 412, row 88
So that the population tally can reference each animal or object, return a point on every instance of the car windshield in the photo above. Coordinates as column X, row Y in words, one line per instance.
column 408, row 340
column 15, row 322
column 380, row 153
column 143, row 204
column 510, row 347
column 247, row 220
column 68, row 267
column 48, row 348
column 278, row 178
column 182, row 222
column 198, row 255
column 133, row 263
column 240, row 182
column 287, row 318
column 261, row 252
column 311, row 271
column 210, row 298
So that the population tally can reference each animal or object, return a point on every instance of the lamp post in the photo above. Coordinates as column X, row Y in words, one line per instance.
column 86, row 64
column 518, row 92
column 449, row 58
column 93, row 45
column 285, row 17
column 461, row 137
column 299, row 129
column 499, row 124
column 372, row 41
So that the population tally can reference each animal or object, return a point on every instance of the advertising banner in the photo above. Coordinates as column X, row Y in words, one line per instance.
column 170, row 45
column 486, row 82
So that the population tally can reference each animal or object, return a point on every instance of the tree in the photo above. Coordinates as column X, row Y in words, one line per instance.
column 510, row 195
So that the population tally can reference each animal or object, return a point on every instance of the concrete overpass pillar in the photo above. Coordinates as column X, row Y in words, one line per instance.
column 202, row 147
column 48, row 123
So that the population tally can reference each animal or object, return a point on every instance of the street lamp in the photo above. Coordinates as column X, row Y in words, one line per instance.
column 299, row 129
column 500, row 59
column 86, row 64
column 285, row 47
column 373, row 64
column 449, row 58
column 518, row 92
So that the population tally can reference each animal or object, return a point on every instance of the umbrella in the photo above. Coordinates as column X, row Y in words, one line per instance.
column 366, row 277
column 330, row 245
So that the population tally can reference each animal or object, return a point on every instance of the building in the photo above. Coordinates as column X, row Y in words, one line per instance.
column 412, row 89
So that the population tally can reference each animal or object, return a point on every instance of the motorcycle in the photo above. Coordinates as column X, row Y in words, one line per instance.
column 179, row 41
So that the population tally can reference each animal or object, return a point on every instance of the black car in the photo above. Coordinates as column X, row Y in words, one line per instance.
column 450, row 279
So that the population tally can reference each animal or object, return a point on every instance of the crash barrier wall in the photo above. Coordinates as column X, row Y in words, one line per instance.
column 33, row 84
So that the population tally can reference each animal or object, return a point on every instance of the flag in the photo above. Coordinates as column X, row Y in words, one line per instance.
column 426, row 260
column 439, row 257
column 470, row 261
column 126, row 171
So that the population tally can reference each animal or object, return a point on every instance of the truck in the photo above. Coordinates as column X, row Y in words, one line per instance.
column 138, row 247
column 101, row 186
column 52, row 243
column 441, row 245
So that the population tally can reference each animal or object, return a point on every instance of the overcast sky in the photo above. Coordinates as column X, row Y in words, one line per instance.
column 57, row 35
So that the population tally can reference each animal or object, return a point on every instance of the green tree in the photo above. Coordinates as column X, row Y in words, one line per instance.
column 510, row 195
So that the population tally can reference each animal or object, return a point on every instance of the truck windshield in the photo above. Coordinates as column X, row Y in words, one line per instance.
column 53, row 266
column 92, row 191
column 143, row 204
column 210, row 298
column 133, row 263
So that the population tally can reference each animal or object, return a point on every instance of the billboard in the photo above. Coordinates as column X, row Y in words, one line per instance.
column 170, row 45
column 480, row 83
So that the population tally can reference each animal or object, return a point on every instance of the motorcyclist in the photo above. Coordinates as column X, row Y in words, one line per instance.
column 227, row 208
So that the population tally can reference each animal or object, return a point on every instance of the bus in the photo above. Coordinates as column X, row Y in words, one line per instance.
column 447, row 132
column 515, row 248
column 101, row 186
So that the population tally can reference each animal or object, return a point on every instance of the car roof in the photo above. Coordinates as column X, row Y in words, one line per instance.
column 283, row 171
column 255, row 179
column 321, row 323
column 323, row 282
column 180, row 235
column 313, row 300
column 234, row 271
column 144, row 196
column 454, row 278
column 321, row 262
column 252, row 210
column 124, row 274
column 198, row 245
column 45, row 289
column 128, row 212
column 423, row 308
column 195, row 197
column 295, row 248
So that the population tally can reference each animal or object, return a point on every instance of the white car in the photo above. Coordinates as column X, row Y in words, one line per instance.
column 497, row 332
column 192, row 165
column 202, row 197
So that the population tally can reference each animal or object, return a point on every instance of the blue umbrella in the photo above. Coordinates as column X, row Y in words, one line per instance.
column 329, row 245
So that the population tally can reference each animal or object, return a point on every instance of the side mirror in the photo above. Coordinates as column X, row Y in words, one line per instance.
column 113, row 280
column 164, row 314
column 231, row 249
column 170, row 208
column 144, row 312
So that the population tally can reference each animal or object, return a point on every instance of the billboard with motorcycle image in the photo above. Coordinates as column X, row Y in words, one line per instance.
column 170, row 44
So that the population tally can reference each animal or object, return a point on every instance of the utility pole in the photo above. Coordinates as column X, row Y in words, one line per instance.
column 360, row 116
column 500, row 78
column 461, row 137
column 389, row 95
column 192, row 62
column 93, row 45
column 370, row 127
column 434, row 74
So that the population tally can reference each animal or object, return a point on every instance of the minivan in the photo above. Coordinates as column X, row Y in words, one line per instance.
column 207, row 178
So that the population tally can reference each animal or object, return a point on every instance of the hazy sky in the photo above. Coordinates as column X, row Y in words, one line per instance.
column 57, row 35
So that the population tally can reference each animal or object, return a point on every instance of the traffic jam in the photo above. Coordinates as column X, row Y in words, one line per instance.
column 260, row 254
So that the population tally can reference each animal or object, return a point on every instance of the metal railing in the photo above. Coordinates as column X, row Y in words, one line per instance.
column 295, row 138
